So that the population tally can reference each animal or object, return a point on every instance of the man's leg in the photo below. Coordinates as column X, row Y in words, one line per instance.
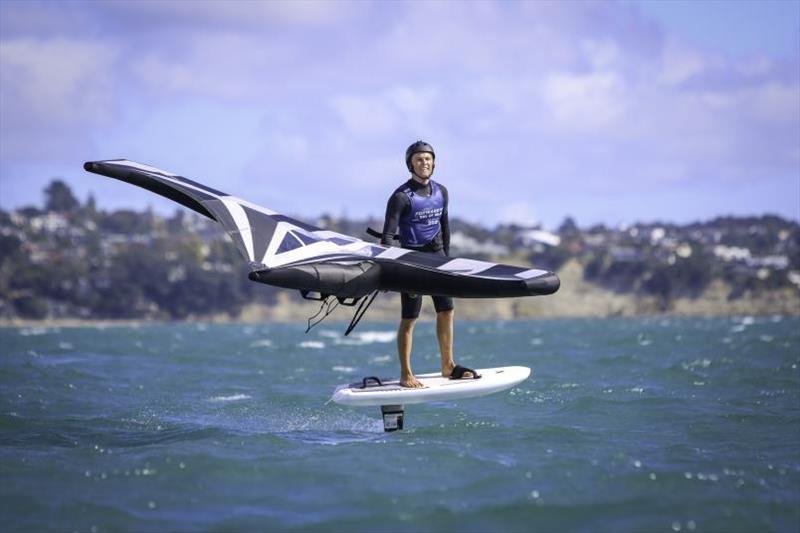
column 410, row 307
column 444, row 331
column 405, row 335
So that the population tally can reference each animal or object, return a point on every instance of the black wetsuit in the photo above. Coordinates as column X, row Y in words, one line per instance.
column 398, row 204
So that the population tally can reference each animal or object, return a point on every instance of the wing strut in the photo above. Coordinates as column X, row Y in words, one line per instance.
column 330, row 302
column 366, row 301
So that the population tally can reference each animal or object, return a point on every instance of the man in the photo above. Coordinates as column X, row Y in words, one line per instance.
column 418, row 208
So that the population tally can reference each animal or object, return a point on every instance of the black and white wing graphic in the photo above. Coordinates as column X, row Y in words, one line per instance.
column 288, row 253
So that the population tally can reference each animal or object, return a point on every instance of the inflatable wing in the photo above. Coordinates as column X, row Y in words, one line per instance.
column 289, row 253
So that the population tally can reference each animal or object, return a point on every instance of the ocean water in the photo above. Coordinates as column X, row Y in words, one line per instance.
column 658, row 424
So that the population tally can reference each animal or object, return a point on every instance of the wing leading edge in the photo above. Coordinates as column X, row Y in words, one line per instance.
column 286, row 252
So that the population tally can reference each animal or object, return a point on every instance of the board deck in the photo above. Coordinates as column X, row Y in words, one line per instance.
column 437, row 388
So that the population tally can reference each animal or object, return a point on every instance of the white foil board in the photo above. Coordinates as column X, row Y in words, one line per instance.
column 437, row 388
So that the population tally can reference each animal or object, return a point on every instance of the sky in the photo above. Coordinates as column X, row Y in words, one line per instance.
column 608, row 112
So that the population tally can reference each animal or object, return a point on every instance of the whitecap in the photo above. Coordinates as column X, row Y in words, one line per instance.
column 312, row 344
column 348, row 342
column 381, row 359
column 368, row 337
column 344, row 369
column 231, row 398
column 27, row 332
column 377, row 336
column 263, row 343
column 65, row 345
column 702, row 363
column 329, row 333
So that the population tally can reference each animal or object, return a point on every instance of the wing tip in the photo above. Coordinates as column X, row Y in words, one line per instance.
column 543, row 285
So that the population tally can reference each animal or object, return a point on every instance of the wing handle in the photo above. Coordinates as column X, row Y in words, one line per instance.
column 378, row 235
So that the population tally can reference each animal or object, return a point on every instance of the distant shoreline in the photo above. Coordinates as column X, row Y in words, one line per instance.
column 577, row 298
column 343, row 319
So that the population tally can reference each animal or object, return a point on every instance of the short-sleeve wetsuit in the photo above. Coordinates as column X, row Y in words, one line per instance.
column 419, row 212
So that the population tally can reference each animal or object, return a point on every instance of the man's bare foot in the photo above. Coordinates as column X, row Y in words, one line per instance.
column 410, row 382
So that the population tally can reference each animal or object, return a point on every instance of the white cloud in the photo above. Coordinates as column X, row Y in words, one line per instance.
column 679, row 63
column 591, row 94
column 376, row 174
column 774, row 103
column 602, row 55
column 519, row 213
column 395, row 108
column 55, row 82
column 589, row 102
column 54, row 95
column 291, row 146
column 214, row 64
column 252, row 14
column 412, row 101
column 366, row 115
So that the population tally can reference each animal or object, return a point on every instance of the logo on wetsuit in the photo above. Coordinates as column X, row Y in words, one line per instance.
column 422, row 222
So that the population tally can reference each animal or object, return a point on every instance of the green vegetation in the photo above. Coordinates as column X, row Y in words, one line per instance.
column 73, row 260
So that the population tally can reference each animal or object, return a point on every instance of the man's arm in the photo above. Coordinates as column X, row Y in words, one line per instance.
column 394, row 208
column 445, row 223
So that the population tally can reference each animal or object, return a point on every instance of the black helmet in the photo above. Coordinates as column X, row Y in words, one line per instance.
column 417, row 147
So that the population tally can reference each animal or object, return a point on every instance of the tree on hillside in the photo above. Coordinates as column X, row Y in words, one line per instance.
column 59, row 198
column 567, row 226
column 91, row 206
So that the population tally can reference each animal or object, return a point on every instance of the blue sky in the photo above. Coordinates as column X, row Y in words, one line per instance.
column 610, row 112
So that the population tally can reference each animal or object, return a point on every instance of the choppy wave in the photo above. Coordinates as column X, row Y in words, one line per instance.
column 261, row 343
column 229, row 398
column 29, row 332
column 316, row 345
column 624, row 425
column 368, row 337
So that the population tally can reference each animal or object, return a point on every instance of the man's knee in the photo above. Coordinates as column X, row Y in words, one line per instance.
column 447, row 313
column 407, row 324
